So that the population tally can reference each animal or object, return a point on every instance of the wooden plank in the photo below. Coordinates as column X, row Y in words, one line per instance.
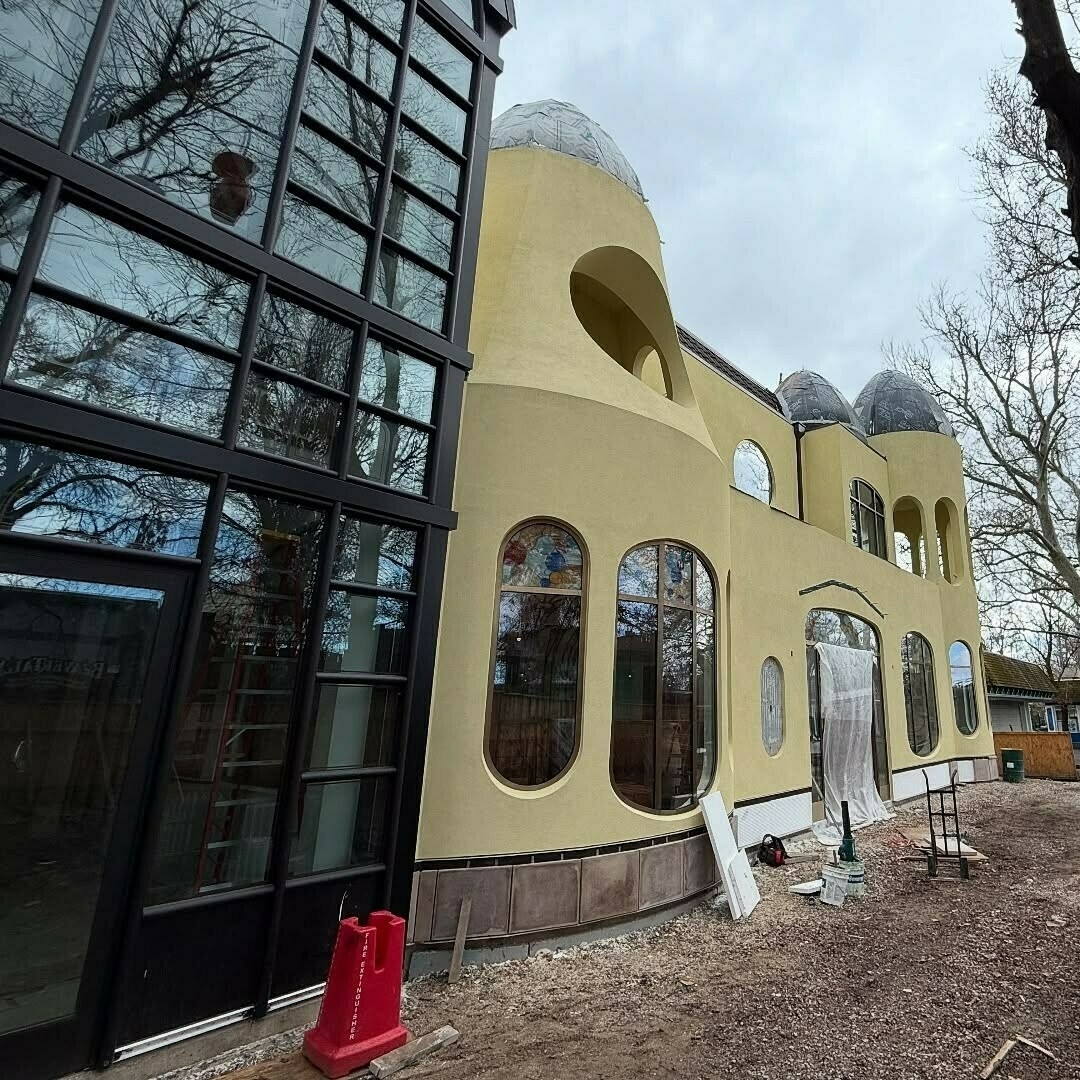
column 1047, row 754
column 1036, row 1046
column 994, row 1063
column 459, row 940
column 292, row 1067
column 413, row 1051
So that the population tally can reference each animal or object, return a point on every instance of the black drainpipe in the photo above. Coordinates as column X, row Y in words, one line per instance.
column 800, row 431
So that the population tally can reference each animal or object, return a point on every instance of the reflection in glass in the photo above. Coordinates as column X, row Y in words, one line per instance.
column 74, row 657
column 752, row 472
column 334, row 174
column 18, row 201
column 340, row 824
column 365, row 633
column 354, row 727
column 920, row 696
column 190, row 98
column 704, row 739
column 281, row 418
column 397, row 381
column 633, row 732
column 90, row 358
column 432, row 109
column 638, row 573
column 226, row 761
column 42, row 46
column 440, row 57
column 962, row 674
column 297, row 339
column 678, row 575
column 868, row 519
column 387, row 15
column 99, row 259
column 375, row 554
column 464, row 8
column 389, row 453
column 430, row 169
column 346, row 43
column 534, row 705
column 49, row 492
column 321, row 243
column 417, row 293
column 346, row 111
column 420, row 227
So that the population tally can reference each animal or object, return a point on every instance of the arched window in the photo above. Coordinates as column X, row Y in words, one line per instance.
column 772, row 706
column 962, row 672
column 920, row 697
column 948, row 548
column 868, row 519
column 752, row 472
column 908, row 537
column 535, row 699
column 663, row 734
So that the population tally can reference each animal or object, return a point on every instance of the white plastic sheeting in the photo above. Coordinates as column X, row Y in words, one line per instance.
column 847, row 707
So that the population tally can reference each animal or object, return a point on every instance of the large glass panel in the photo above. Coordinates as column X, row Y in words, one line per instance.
column 347, row 43
column 42, row 46
column 387, row 15
column 675, row 747
column 703, row 586
column 340, row 824
column 395, row 380
column 365, row 634
column 190, row 99
column 346, row 111
column 542, row 556
column 49, row 492
column 534, row 703
column 638, row 572
column 919, row 694
column 226, row 763
column 322, row 244
column 99, row 259
column 75, row 659
column 464, row 8
column 633, row 734
column 297, row 339
column 334, row 174
column 442, row 59
column 354, row 727
column 420, row 227
column 962, row 674
column 374, row 554
column 752, row 472
column 678, row 575
column 91, row 358
column 389, row 453
column 705, row 706
column 417, row 160
column 434, row 110
column 287, row 420
column 18, row 201
column 407, row 287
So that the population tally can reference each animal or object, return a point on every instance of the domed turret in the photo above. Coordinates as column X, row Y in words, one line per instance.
column 809, row 398
column 564, row 128
column 892, row 401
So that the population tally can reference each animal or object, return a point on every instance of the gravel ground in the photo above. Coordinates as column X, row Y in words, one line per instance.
column 921, row 978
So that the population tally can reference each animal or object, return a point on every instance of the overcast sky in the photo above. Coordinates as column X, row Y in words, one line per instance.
column 803, row 160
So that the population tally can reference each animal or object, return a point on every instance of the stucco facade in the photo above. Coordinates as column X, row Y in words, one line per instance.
column 585, row 409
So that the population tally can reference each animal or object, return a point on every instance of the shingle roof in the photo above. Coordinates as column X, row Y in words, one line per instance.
column 710, row 357
column 1009, row 673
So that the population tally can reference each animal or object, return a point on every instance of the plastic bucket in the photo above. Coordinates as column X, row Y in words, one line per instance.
column 1012, row 765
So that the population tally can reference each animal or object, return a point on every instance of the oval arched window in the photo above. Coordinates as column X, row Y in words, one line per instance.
column 663, row 732
column 535, row 698
column 962, row 674
column 753, row 474
column 920, row 696
column 772, row 706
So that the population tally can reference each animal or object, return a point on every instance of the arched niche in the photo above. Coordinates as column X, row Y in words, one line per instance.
column 909, row 536
column 947, row 524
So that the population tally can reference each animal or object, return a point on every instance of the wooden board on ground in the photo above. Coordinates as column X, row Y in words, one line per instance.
column 411, row 1052
column 459, row 940
column 921, row 839
column 291, row 1067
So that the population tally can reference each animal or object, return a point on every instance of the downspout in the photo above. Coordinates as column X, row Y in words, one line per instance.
column 800, row 431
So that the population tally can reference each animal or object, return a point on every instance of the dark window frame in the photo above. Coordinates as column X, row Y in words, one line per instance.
column 920, row 689
column 865, row 498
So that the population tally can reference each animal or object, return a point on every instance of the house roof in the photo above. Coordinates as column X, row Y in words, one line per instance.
column 722, row 366
column 1069, row 691
column 1008, row 673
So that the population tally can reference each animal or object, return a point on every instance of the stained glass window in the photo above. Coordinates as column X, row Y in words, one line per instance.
column 542, row 556
column 772, row 706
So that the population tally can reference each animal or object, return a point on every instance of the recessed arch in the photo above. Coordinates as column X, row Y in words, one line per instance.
column 909, row 536
column 649, row 368
column 947, row 525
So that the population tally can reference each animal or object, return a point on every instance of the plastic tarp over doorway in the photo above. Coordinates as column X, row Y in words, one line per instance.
column 847, row 707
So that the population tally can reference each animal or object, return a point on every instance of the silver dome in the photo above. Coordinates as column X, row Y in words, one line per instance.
column 892, row 401
column 809, row 398
column 564, row 128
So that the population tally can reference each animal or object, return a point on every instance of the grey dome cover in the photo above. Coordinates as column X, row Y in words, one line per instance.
column 560, row 126
column 809, row 398
column 892, row 401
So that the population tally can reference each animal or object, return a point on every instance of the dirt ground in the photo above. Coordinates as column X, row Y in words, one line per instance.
column 921, row 978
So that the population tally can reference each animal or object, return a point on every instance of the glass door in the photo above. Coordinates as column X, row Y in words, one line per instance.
column 85, row 643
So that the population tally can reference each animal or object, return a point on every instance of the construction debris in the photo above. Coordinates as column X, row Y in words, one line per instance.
column 1007, row 1047
column 412, row 1052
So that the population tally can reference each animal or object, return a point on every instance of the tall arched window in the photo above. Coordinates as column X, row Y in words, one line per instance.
column 868, row 519
column 772, row 706
column 663, row 734
column 752, row 472
column 948, row 548
column 920, row 697
column 962, row 673
column 535, row 699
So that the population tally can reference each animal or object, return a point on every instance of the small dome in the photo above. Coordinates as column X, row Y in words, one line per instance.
column 564, row 128
column 809, row 398
column 892, row 401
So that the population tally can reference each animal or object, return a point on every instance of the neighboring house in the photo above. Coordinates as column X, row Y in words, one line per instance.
column 1067, row 708
column 1022, row 695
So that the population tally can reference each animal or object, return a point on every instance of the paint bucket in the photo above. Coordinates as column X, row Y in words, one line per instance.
column 856, row 877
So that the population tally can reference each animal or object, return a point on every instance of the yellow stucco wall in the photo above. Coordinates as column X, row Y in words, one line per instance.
column 554, row 427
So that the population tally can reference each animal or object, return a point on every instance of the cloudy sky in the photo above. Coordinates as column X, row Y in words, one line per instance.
column 803, row 161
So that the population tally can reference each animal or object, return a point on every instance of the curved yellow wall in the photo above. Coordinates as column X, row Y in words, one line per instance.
column 556, row 426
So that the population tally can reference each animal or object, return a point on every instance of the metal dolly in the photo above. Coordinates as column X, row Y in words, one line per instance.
column 945, row 817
